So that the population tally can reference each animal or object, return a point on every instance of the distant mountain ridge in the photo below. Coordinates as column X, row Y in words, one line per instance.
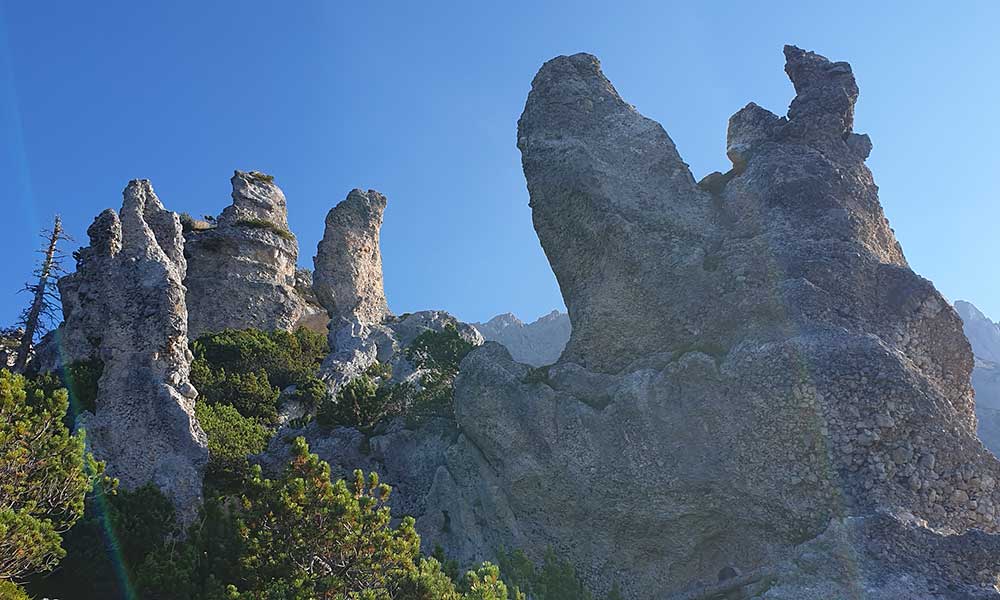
column 983, row 333
column 538, row 343
column 984, row 337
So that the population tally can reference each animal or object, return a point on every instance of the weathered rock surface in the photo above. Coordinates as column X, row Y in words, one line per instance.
column 984, row 336
column 537, row 343
column 242, row 272
column 314, row 316
column 125, row 304
column 751, row 358
column 348, row 263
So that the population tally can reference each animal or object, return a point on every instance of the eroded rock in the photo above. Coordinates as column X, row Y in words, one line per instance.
column 348, row 265
column 750, row 358
column 242, row 272
column 125, row 304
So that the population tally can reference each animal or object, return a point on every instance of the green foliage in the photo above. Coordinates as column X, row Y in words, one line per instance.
column 555, row 580
column 429, row 581
column 364, row 401
column 265, row 224
column 439, row 350
column 297, row 537
column 262, row 176
column 248, row 369
column 537, row 375
column 198, row 567
column 311, row 392
column 231, row 439
column 107, row 546
column 439, row 353
column 44, row 476
column 315, row 538
column 79, row 379
column 250, row 393
column 11, row 591
column 449, row 566
column 486, row 584
column 306, row 537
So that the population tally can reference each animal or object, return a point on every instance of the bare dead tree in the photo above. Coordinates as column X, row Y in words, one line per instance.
column 44, row 307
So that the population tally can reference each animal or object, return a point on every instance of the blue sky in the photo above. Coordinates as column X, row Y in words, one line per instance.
column 420, row 101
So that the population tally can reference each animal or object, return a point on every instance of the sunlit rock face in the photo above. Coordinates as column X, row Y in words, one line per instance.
column 751, row 362
column 242, row 271
column 125, row 304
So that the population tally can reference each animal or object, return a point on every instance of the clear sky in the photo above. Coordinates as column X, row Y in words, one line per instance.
column 420, row 100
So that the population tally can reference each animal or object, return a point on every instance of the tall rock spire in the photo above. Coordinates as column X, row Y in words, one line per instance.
column 348, row 263
column 125, row 305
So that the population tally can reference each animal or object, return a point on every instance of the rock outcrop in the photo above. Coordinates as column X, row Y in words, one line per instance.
column 125, row 304
column 538, row 343
column 751, row 358
column 242, row 272
column 984, row 336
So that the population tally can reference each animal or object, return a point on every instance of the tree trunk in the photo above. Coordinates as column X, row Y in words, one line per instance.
column 38, row 302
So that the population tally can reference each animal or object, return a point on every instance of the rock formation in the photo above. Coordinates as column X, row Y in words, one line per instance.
column 751, row 357
column 348, row 263
column 984, row 336
column 242, row 272
column 125, row 305
column 348, row 281
column 537, row 343
column 758, row 398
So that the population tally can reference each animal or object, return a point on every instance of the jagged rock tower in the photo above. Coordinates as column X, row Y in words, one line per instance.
column 241, row 272
column 125, row 305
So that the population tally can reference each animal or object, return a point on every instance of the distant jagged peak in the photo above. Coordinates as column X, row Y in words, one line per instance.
column 970, row 312
column 507, row 319
column 983, row 333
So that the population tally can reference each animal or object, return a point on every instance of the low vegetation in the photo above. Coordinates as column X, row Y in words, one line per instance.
column 232, row 438
column 264, row 224
column 370, row 398
column 297, row 536
column 44, row 475
column 438, row 355
column 248, row 369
